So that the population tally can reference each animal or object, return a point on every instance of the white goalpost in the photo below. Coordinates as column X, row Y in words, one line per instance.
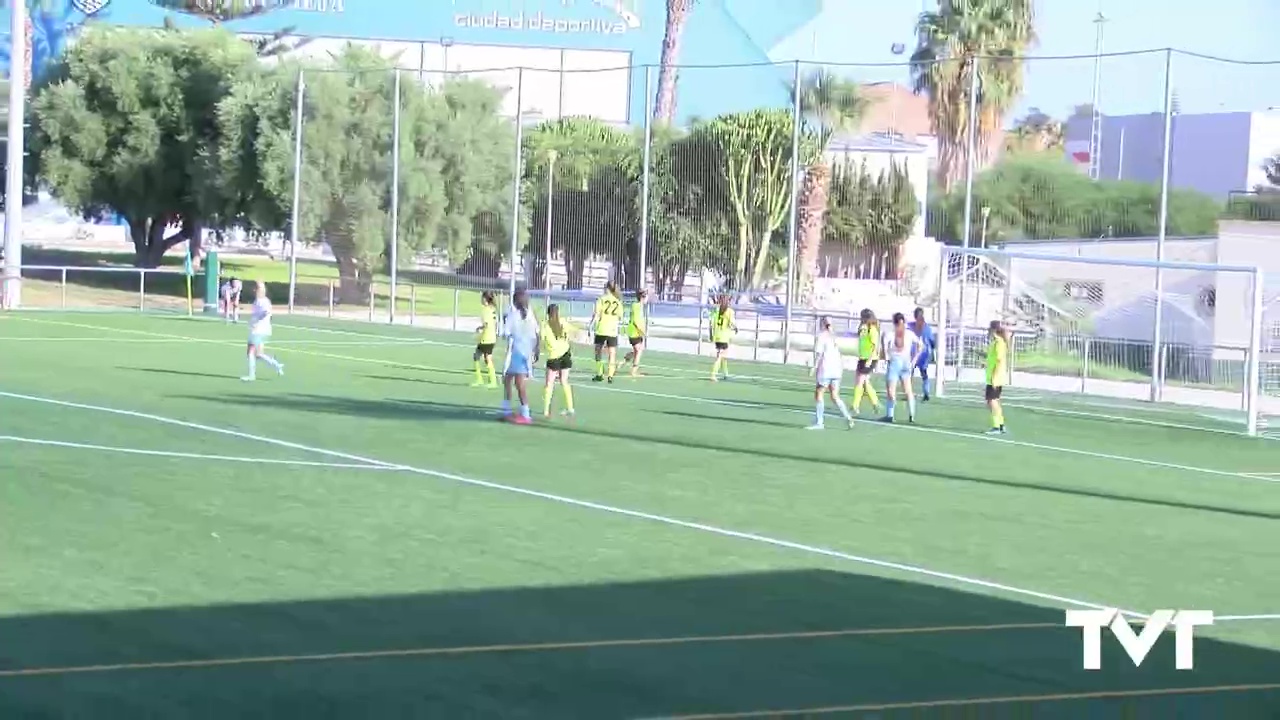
column 1129, row 333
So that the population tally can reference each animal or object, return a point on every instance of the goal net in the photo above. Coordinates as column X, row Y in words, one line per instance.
column 1176, row 343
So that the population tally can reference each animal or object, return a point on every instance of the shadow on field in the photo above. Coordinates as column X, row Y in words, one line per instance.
column 468, row 654
column 671, row 434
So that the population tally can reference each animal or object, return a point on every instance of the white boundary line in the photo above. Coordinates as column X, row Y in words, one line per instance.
column 174, row 340
column 189, row 456
column 587, row 504
column 713, row 401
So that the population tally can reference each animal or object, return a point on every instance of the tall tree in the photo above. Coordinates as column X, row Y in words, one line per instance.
column 829, row 104
column 1035, row 132
column 454, row 160
column 962, row 43
column 664, row 106
column 124, row 123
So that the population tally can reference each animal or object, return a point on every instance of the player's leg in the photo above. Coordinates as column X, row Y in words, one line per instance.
column 251, row 356
column 612, row 347
column 264, row 357
column 522, row 392
column 819, row 409
column 599, row 356
column 477, row 363
column 549, row 388
column 833, row 389
column 637, row 351
column 507, row 381
column 890, row 390
column 720, row 363
column 567, row 389
column 910, row 392
column 923, row 367
column 993, row 393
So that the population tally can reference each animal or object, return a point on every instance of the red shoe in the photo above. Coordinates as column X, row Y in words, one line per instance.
column 521, row 420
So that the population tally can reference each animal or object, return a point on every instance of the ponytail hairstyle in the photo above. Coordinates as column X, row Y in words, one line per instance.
column 521, row 303
column 553, row 320
column 641, row 295
column 486, row 298
column 824, row 323
column 724, row 303
column 611, row 288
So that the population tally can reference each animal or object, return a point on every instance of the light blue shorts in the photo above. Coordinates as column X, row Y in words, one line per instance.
column 898, row 370
column 518, row 364
column 259, row 339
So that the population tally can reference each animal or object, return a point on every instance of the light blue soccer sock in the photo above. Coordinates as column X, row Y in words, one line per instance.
column 844, row 409
column 275, row 364
column 524, row 411
column 911, row 407
column 819, row 411
column 889, row 404
column 506, row 407
column 253, row 366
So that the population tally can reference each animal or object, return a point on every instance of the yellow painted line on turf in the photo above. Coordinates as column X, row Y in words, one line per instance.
column 998, row 700
column 526, row 647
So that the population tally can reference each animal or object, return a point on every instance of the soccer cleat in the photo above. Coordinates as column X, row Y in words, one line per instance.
column 521, row 420
column 926, row 397
column 887, row 419
column 248, row 378
column 610, row 379
column 851, row 423
column 818, row 426
column 995, row 431
column 598, row 378
column 280, row 370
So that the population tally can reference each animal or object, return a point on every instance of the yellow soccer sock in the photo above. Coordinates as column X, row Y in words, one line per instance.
column 479, row 377
column 568, row 398
column 546, row 399
column 873, row 397
column 997, row 418
column 715, row 368
column 857, row 398
column 599, row 368
column 724, row 367
column 613, row 368
column 493, row 376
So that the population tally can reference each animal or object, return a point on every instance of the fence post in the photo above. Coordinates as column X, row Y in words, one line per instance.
column 793, row 220
column 1084, row 364
column 297, row 190
column 456, row 294
column 755, row 351
column 1254, row 380
column 63, row 288
column 702, row 302
column 395, row 198
column 516, row 176
column 142, row 291
column 1157, row 352
column 373, row 296
column 644, row 175
column 971, row 150
column 413, row 304
column 330, row 299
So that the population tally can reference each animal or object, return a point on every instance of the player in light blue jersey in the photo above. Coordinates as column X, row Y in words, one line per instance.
column 924, row 331
column 901, row 349
column 521, row 330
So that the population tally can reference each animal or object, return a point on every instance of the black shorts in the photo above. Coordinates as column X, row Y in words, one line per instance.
column 564, row 362
column 722, row 346
column 866, row 367
column 993, row 392
column 484, row 348
column 606, row 341
column 637, row 341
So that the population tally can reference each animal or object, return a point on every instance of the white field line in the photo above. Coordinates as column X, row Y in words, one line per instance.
column 711, row 401
column 1246, row 618
column 586, row 504
column 189, row 456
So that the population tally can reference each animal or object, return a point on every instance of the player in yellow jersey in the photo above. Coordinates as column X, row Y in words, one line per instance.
column 637, row 331
column 486, row 339
column 868, row 352
column 722, row 329
column 606, row 320
column 556, row 335
column 997, row 374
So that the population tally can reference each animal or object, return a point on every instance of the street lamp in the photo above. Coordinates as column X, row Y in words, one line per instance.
column 552, row 156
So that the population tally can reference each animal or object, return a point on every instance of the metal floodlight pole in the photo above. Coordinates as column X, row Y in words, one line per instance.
column 12, row 285
column 395, row 197
column 295, row 211
column 552, row 156
column 515, row 180
column 1157, row 381
column 1095, row 121
column 647, row 158
column 971, row 152
column 793, row 224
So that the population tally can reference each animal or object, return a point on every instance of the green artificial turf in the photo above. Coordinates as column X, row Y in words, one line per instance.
column 480, row 569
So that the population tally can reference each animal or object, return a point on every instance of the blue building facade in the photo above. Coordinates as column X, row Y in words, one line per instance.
column 725, row 54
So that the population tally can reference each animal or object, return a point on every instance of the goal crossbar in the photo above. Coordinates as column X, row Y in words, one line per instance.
column 1130, row 262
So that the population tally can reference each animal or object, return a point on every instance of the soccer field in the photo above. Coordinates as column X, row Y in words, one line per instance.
column 360, row 539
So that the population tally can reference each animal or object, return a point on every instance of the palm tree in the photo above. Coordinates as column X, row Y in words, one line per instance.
column 829, row 104
column 664, row 105
column 963, row 42
column 1037, row 132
